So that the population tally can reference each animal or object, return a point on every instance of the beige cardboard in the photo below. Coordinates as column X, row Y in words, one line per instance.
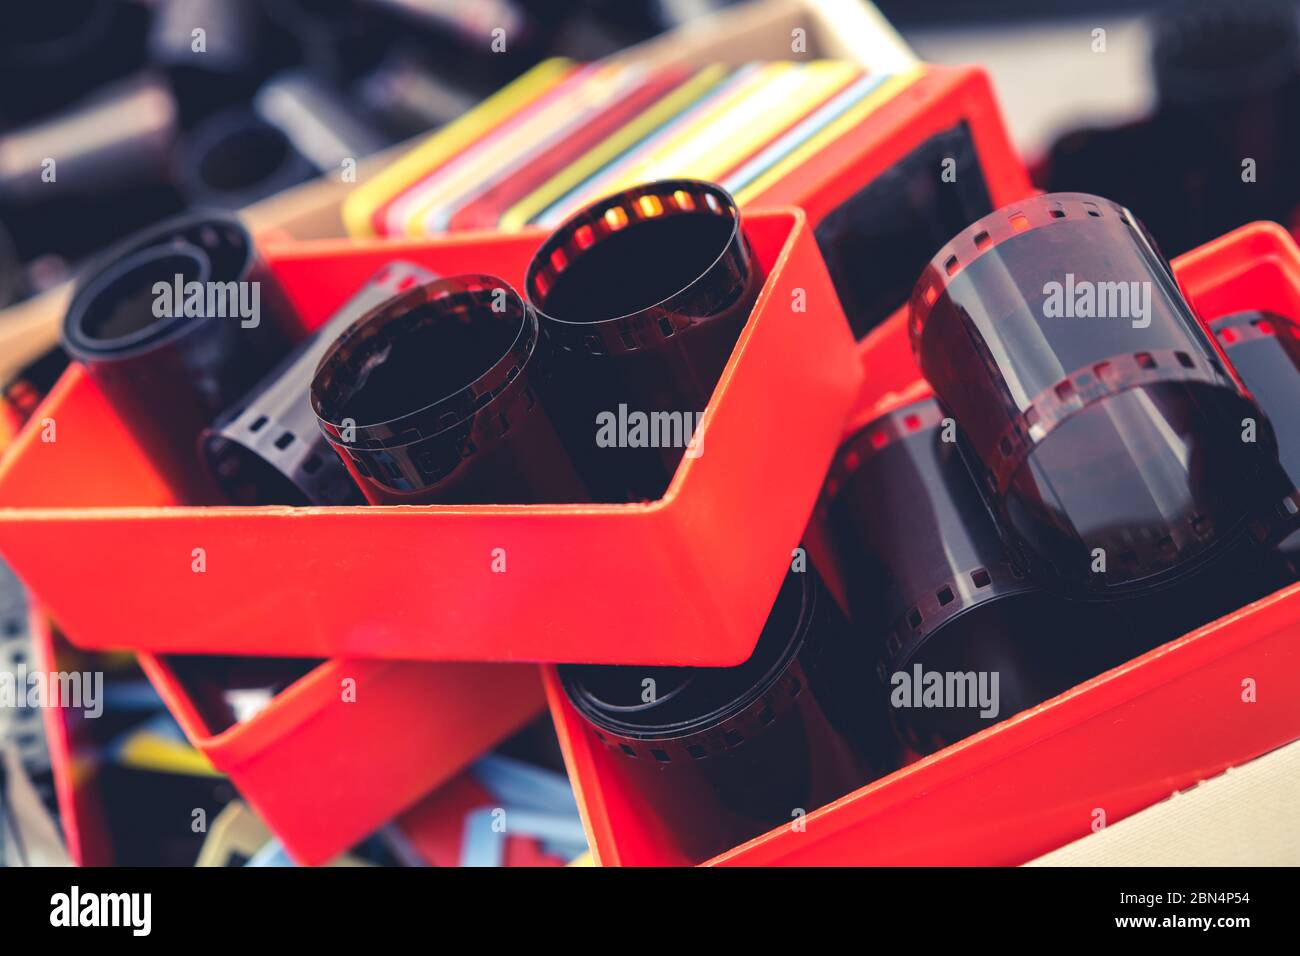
column 1248, row 816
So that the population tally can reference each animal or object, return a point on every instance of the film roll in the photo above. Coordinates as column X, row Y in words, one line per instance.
column 720, row 755
column 1264, row 348
column 642, row 295
column 119, row 138
column 316, row 120
column 169, row 367
column 933, row 590
column 1103, row 425
column 234, row 158
column 435, row 397
column 268, row 449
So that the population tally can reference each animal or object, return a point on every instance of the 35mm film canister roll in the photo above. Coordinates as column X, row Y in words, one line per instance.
column 268, row 449
column 933, row 591
column 720, row 755
column 1264, row 348
column 316, row 120
column 643, row 295
column 409, row 95
column 234, row 52
column 435, row 397
column 169, row 363
column 234, row 158
column 119, row 138
column 1103, row 423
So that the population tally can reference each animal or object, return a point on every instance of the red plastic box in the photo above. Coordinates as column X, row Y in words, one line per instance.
column 941, row 98
column 323, row 773
column 435, row 827
column 1120, row 742
column 686, row 579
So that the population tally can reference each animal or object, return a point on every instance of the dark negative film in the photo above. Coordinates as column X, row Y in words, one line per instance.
column 932, row 589
column 721, row 755
column 1103, row 424
column 234, row 158
column 642, row 296
column 268, row 449
column 435, row 397
column 1264, row 348
column 174, row 325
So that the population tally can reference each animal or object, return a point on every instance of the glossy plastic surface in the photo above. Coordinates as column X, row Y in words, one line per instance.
column 351, row 744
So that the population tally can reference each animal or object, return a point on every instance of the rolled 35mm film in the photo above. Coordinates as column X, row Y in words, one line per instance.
column 435, row 397
column 642, row 295
column 1103, row 424
column 409, row 95
column 268, row 449
column 962, row 638
column 121, row 137
column 169, row 362
column 1264, row 348
column 720, row 755
column 234, row 158
column 317, row 121
column 214, row 52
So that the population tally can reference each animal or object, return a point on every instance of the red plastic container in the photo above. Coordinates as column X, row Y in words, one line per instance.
column 435, row 827
column 942, row 98
column 686, row 579
column 1118, row 743
column 323, row 772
